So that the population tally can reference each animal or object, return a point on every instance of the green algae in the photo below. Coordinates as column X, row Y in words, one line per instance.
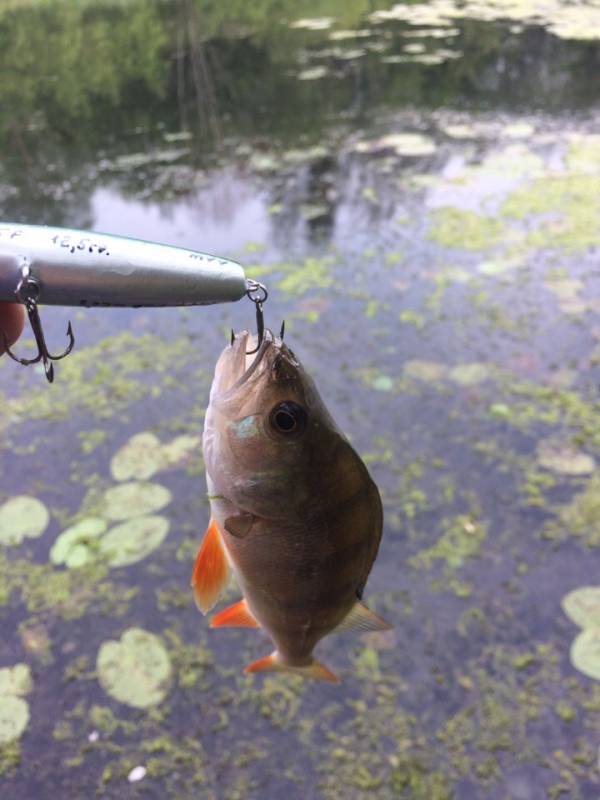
column 311, row 274
column 422, row 370
column 469, row 374
column 561, row 457
column 45, row 590
column 452, row 227
column 22, row 517
column 462, row 539
column 581, row 517
column 568, row 207
column 136, row 670
column 103, row 379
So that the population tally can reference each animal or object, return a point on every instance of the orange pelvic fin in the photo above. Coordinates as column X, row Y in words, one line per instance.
column 273, row 663
column 361, row 620
column 211, row 569
column 236, row 616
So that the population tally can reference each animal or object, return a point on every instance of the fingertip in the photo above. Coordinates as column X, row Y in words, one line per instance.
column 12, row 320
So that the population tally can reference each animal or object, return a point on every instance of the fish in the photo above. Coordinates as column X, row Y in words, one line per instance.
column 295, row 514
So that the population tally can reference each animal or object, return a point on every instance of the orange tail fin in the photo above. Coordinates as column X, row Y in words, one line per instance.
column 211, row 569
column 236, row 616
column 273, row 663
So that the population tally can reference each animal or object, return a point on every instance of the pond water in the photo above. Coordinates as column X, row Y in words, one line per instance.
column 419, row 187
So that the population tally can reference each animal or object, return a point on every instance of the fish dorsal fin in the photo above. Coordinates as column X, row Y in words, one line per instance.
column 211, row 570
column 239, row 525
column 236, row 616
column 361, row 619
column 273, row 663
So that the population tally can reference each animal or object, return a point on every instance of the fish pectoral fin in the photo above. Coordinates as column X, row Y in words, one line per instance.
column 273, row 663
column 236, row 616
column 211, row 570
column 239, row 525
column 361, row 619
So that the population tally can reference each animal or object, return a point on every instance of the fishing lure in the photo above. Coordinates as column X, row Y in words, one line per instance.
column 59, row 266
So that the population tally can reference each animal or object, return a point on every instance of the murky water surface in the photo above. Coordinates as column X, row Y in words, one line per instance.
column 419, row 187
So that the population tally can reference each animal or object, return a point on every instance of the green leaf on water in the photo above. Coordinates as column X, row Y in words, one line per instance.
column 582, row 606
column 15, row 680
column 14, row 718
column 421, row 370
column 558, row 456
column 140, row 458
column 133, row 540
column 22, row 517
column 585, row 652
column 134, row 499
column 136, row 670
column 469, row 374
column 78, row 545
column 14, row 711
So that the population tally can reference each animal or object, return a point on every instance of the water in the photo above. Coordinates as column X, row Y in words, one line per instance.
column 443, row 289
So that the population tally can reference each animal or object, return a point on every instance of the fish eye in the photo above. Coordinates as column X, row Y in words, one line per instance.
column 288, row 418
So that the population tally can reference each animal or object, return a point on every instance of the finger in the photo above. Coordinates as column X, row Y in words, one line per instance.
column 12, row 319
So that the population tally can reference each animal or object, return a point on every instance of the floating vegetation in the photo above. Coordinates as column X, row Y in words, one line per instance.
column 558, row 456
column 313, row 23
column 470, row 374
column 78, row 545
column 22, row 517
column 452, row 227
column 312, row 74
column 125, row 544
column 580, row 21
column 144, row 455
column 134, row 499
column 403, row 144
column 133, row 540
column 14, row 710
column 136, row 670
column 585, row 653
column 582, row 606
column 581, row 517
column 426, row 371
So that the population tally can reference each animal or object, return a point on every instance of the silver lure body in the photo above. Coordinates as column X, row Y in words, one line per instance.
column 81, row 268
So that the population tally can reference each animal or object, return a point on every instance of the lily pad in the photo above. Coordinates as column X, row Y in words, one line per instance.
column 134, row 499
column 404, row 144
column 585, row 652
column 382, row 383
column 313, row 73
column 14, row 711
column 427, row 371
column 136, row 670
column 22, row 517
column 14, row 718
column 181, row 449
column 582, row 606
column 140, row 458
column 133, row 540
column 560, row 457
column 15, row 680
column 78, row 545
column 469, row 374
column 313, row 23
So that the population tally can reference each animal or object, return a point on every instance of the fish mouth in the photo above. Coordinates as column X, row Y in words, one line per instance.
column 236, row 366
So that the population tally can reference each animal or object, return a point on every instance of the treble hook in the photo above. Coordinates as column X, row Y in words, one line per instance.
column 28, row 292
column 256, row 292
